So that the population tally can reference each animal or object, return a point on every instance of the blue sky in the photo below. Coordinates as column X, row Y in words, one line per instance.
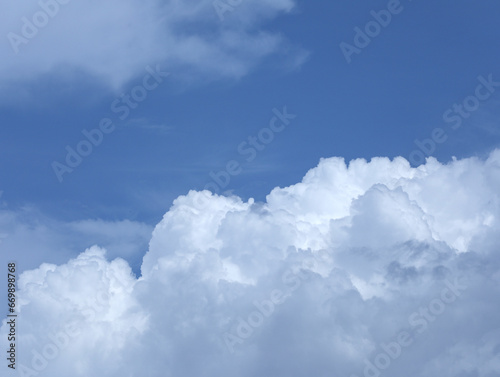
column 393, row 92
column 295, row 112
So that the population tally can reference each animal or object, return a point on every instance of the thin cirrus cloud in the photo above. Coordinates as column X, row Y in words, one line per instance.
column 115, row 40
column 362, row 269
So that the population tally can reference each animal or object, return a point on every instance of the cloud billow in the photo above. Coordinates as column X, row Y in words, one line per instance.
column 362, row 269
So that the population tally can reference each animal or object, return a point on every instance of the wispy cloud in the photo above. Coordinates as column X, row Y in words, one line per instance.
column 147, row 125
column 187, row 37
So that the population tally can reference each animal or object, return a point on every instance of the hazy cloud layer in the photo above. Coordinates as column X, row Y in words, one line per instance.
column 115, row 40
column 366, row 269
column 32, row 238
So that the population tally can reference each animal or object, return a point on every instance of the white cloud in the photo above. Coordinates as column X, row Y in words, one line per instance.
column 115, row 40
column 366, row 268
column 31, row 238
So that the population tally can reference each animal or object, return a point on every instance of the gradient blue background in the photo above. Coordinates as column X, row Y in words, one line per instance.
column 395, row 91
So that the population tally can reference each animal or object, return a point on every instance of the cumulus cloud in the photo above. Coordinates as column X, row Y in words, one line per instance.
column 362, row 269
column 114, row 40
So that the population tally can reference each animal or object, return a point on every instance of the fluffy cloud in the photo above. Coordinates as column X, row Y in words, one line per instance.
column 115, row 40
column 366, row 269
